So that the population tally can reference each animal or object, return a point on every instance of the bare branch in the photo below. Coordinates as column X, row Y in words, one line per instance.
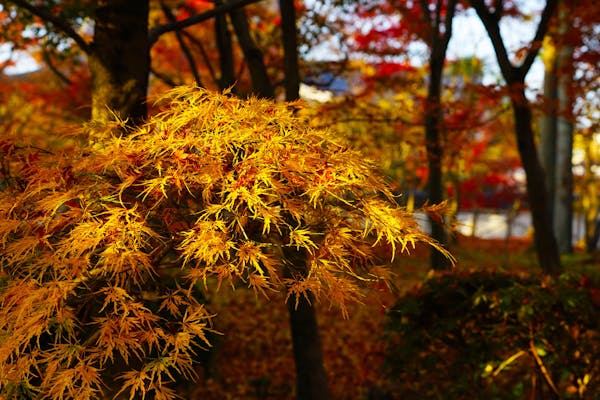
column 542, row 29
column 163, row 77
column 159, row 30
column 203, row 53
column 425, row 8
column 490, row 22
column 48, row 60
column 511, row 73
column 186, row 51
column 448, row 22
column 59, row 23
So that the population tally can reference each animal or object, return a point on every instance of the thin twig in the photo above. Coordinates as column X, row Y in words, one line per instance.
column 159, row 30
column 542, row 367
column 59, row 23
column 186, row 51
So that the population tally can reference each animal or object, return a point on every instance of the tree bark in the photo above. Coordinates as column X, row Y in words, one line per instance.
column 120, row 61
column 563, row 184
column 311, row 379
column 545, row 241
column 261, row 85
column 289, row 39
column 433, row 122
column 547, row 129
column 439, row 37
column 556, row 135
column 226, row 61
column 563, row 200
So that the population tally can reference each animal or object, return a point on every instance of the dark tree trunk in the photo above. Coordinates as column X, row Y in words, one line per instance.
column 226, row 61
column 433, row 124
column 289, row 38
column 261, row 85
column 440, row 33
column 311, row 379
column 545, row 242
column 547, row 128
column 119, row 61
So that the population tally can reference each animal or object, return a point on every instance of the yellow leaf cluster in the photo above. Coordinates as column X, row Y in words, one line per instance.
column 102, row 248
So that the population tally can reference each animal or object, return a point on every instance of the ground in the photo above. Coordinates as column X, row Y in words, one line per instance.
column 253, row 357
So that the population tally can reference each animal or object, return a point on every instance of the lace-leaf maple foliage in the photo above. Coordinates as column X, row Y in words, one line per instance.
column 106, row 248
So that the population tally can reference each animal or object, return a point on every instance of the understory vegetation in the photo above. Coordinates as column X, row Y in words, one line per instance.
column 467, row 334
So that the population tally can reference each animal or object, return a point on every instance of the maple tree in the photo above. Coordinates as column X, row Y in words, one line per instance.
column 105, row 248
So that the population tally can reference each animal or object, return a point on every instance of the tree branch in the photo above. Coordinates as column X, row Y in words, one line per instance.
column 159, row 30
column 448, row 21
column 48, row 60
column 425, row 8
column 163, row 77
column 438, row 17
column 203, row 53
column 536, row 43
column 184, row 48
column 59, row 23
column 490, row 22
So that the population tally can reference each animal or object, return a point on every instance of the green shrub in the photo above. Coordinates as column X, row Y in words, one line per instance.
column 495, row 336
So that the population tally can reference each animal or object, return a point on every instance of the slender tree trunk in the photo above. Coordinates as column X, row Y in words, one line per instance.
column 563, row 199
column 433, row 123
column 545, row 242
column 226, row 62
column 556, row 135
column 311, row 377
column 261, row 85
column 120, row 61
column 590, row 198
column 440, row 24
column 289, row 38
column 547, row 127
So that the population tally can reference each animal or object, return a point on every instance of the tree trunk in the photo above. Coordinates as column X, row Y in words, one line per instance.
column 556, row 136
column 120, row 61
column 261, row 85
column 289, row 39
column 563, row 198
column 226, row 62
column 434, row 119
column 547, row 129
column 590, row 198
column 311, row 378
column 433, row 122
column 545, row 242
